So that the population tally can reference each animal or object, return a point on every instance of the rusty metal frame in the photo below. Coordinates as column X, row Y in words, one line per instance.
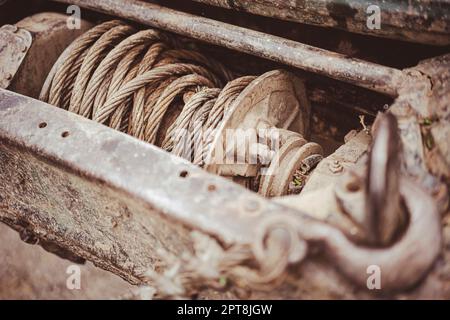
column 11, row 56
column 411, row 21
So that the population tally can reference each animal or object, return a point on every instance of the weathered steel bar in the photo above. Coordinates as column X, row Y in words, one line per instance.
column 412, row 21
column 358, row 72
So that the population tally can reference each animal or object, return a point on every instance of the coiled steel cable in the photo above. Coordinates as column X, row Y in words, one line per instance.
column 147, row 84
column 130, row 80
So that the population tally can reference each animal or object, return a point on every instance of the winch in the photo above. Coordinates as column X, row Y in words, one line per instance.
column 196, row 150
column 151, row 86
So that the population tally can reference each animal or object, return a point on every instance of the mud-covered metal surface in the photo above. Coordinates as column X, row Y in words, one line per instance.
column 423, row 114
column 417, row 21
column 14, row 45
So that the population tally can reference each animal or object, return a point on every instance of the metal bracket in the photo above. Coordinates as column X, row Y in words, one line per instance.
column 14, row 45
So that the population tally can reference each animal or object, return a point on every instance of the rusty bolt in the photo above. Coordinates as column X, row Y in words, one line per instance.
column 335, row 167
column 8, row 76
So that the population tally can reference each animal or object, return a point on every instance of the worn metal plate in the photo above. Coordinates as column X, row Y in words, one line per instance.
column 14, row 45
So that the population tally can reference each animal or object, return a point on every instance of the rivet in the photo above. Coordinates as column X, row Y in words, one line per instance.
column 335, row 167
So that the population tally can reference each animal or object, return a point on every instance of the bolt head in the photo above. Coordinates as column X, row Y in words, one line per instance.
column 335, row 166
